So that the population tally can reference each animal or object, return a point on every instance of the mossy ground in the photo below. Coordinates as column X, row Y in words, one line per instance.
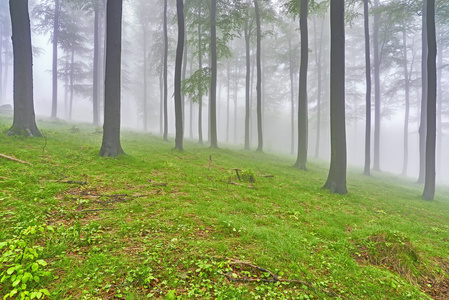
column 163, row 224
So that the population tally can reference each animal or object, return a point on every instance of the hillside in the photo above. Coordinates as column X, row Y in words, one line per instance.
column 164, row 224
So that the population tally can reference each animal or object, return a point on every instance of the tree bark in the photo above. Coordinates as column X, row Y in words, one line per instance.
column 440, row 109
column 165, row 73
column 200, row 90
column 96, row 107
column 303, row 119
column 259, row 80
column 213, row 83
column 376, row 162
column 228, row 95
column 368, row 91
column 407, row 103
column 54, row 102
column 429, row 184
column 422, row 126
column 178, row 73
column 336, row 181
column 24, row 118
column 247, row 84
column 111, row 129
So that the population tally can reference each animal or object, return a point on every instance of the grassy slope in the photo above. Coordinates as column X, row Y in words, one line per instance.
column 381, row 241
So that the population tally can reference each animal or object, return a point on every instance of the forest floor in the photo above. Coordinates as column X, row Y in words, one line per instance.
column 163, row 224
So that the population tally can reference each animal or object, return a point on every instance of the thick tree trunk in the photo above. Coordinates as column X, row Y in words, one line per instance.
column 213, row 83
column 178, row 70
column 376, row 162
column 24, row 119
column 247, row 84
column 429, row 184
column 54, row 102
column 111, row 129
column 368, row 91
column 303, row 119
column 336, row 181
column 259, row 80
column 96, row 107
column 423, row 122
column 165, row 73
column 407, row 104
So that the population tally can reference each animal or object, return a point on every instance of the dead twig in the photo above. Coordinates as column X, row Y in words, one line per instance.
column 269, row 176
column 71, row 182
column 237, row 172
column 4, row 178
column 15, row 159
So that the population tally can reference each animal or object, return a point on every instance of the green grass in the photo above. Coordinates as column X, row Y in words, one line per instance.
column 163, row 224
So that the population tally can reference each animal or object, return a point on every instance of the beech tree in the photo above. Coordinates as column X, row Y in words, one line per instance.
column 368, row 90
column 178, row 98
column 24, row 118
column 111, row 128
column 336, row 181
column 213, row 81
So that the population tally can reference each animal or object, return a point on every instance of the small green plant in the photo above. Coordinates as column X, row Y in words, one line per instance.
column 21, row 269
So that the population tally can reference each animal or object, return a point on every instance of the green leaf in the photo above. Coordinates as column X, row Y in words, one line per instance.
column 15, row 283
column 33, row 295
column 39, row 295
column 37, row 279
column 42, row 262
column 34, row 267
column 45, row 291
column 10, row 270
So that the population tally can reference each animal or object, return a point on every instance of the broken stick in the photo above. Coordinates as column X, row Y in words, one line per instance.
column 15, row 159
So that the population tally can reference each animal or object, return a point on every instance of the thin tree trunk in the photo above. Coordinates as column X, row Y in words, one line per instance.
column 1, row 65
column 165, row 73
column 24, row 118
column 111, row 128
column 96, row 107
column 200, row 90
column 376, row 162
column 423, row 122
column 429, row 184
column 318, row 106
column 183, row 77
column 66, row 85
column 161, row 102
column 303, row 119
column 178, row 70
column 54, row 105
column 368, row 91
column 259, row 80
column 145, row 88
column 407, row 103
column 292, row 93
column 336, row 181
column 228, row 71
column 247, row 85
column 72, row 67
column 440, row 108
column 213, row 83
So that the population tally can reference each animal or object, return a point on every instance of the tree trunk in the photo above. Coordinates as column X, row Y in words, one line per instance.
column 368, row 91
column 376, row 162
column 303, row 118
column 336, row 181
column 54, row 102
column 24, row 118
column 422, row 126
column 200, row 90
column 259, row 80
column 247, row 84
column 178, row 70
column 440, row 109
column 183, row 77
column 318, row 105
column 292, row 94
column 1, row 65
column 407, row 103
column 96, row 107
column 213, row 83
column 228, row 71
column 72, row 67
column 165, row 73
column 429, row 184
column 111, row 129
column 145, row 88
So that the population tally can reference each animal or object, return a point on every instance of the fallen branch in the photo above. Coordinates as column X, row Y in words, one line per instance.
column 71, row 182
column 270, row 176
column 4, row 178
column 239, row 184
column 15, row 159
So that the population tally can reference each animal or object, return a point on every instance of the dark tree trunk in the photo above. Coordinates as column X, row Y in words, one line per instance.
column 376, row 162
column 96, row 107
column 200, row 90
column 247, row 84
column 54, row 102
column 24, row 119
column 213, row 83
column 259, row 80
column 407, row 104
column 423, row 122
column 336, row 181
column 303, row 119
column 178, row 70
column 429, row 184
column 111, row 129
column 165, row 73
column 368, row 91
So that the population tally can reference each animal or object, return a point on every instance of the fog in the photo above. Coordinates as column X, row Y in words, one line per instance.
column 276, row 85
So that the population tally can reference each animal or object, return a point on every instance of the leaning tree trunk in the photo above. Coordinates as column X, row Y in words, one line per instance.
column 54, row 102
column 178, row 73
column 303, row 118
column 368, row 91
column 24, row 119
column 429, row 184
column 213, row 82
column 165, row 73
column 407, row 103
column 422, row 126
column 336, row 181
column 259, row 80
column 111, row 129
